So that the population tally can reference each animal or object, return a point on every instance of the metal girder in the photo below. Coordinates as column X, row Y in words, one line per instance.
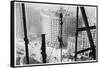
column 43, row 48
column 76, row 34
column 81, row 51
column 84, row 28
column 88, row 31
column 25, row 33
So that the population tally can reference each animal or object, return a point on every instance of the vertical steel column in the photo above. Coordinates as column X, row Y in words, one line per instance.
column 76, row 34
column 25, row 33
column 43, row 48
column 88, row 32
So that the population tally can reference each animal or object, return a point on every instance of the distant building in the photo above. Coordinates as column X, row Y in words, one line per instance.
column 51, row 29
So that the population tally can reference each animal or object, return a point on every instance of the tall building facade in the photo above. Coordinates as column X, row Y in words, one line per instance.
column 51, row 29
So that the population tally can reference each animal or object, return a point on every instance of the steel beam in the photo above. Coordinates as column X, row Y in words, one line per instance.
column 88, row 31
column 76, row 34
column 84, row 28
column 81, row 51
column 43, row 48
column 25, row 33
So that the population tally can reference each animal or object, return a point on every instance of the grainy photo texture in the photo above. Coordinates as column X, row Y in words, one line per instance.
column 54, row 33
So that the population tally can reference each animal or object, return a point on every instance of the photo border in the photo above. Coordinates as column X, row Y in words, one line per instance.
column 12, row 33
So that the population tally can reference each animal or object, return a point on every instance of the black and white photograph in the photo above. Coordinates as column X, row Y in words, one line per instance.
column 51, row 33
